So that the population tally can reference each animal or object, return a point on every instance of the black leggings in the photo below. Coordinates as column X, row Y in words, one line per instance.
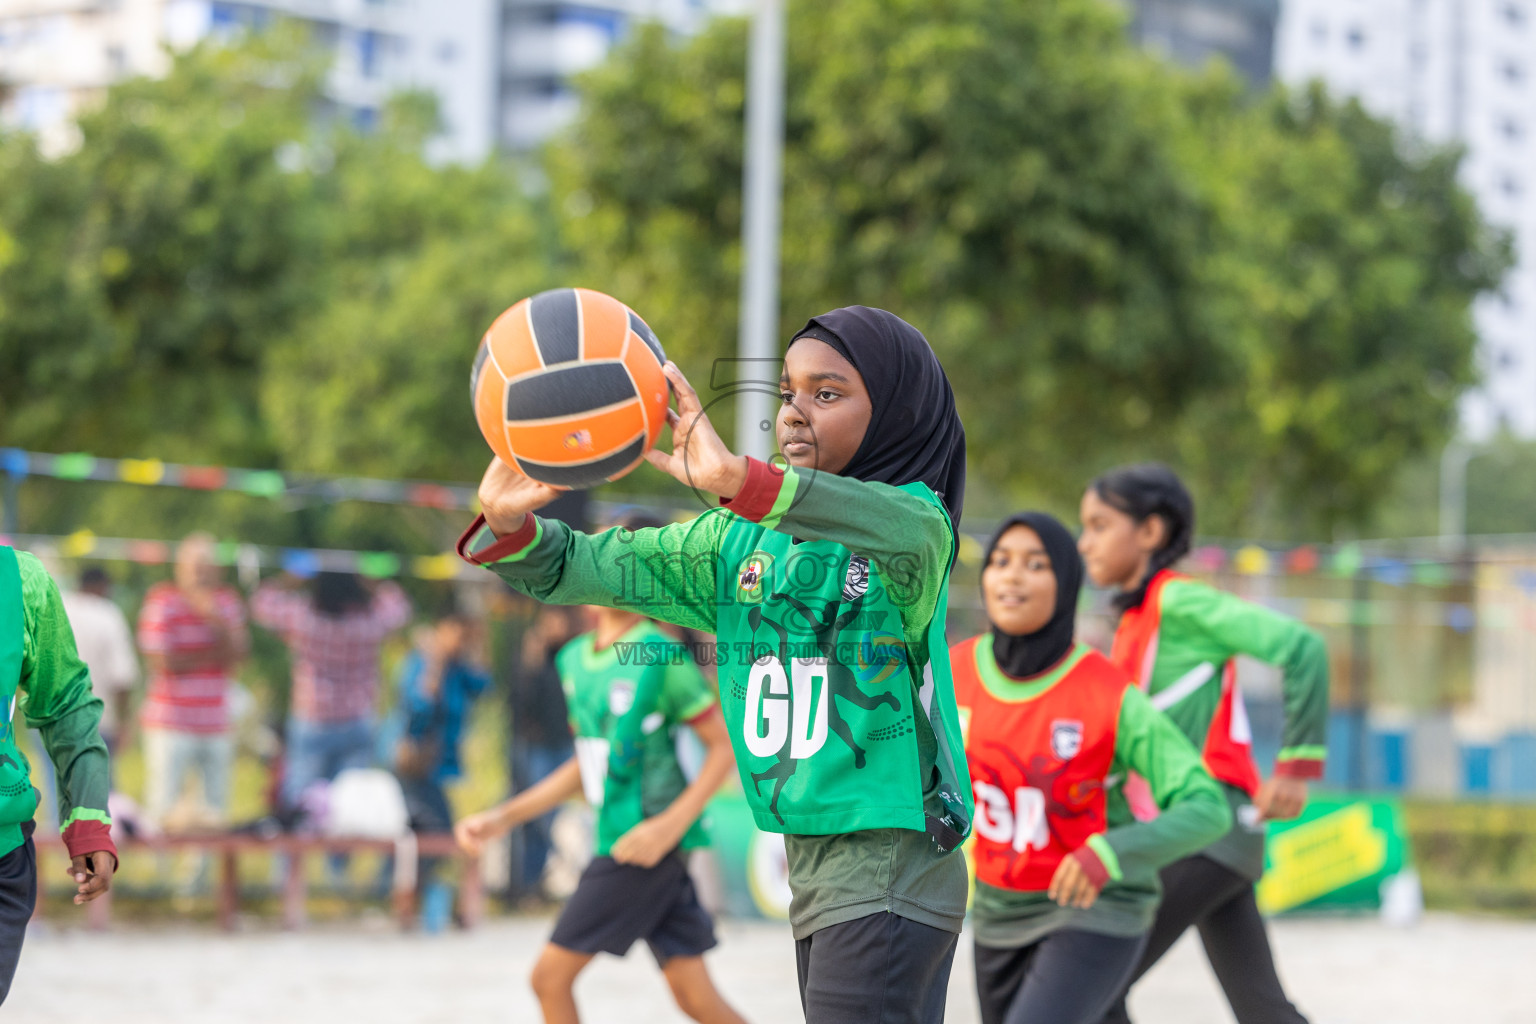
column 1198, row 891
column 880, row 969
column 1068, row 977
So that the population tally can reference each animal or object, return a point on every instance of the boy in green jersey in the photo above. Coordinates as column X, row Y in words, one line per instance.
column 824, row 578
column 38, row 664
column 628, row 688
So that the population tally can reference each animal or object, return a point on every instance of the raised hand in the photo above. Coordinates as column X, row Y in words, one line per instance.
column 507, row 496
column 698, row 457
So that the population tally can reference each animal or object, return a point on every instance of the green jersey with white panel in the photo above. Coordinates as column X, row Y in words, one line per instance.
column 629, row 703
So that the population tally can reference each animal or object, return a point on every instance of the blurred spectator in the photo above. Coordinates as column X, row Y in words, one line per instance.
column 541, row 734
column 192, row 633
column 439, row 682
column 333, row 630
column 105, row 643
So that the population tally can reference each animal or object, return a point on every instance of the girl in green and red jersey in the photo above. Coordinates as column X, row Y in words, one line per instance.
column 1066, row 877
column 824, row 579
column 1179, row 638
column 629, row 689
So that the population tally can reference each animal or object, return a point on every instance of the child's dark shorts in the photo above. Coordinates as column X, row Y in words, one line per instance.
column 615, row 904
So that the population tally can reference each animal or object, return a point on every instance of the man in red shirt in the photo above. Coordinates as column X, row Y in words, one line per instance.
column 192, row 633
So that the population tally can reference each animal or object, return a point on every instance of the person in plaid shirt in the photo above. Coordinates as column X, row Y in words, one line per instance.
column 333, row 632
column 192, row 633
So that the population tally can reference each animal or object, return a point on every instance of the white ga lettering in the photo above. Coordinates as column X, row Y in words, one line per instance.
column 1019, row 825
column 774, row 698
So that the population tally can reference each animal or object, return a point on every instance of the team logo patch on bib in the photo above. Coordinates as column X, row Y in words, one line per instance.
column 621, row 697
column 1066, row 738
column 749, row 579
column 856, row 583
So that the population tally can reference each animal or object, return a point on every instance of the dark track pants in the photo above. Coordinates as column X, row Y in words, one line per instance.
column 1198, row 891
column 880, row 969
column 18, row 895
column 1068, row 977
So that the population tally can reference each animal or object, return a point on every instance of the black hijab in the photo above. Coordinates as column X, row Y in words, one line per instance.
column 914, row 431
column 1023, row 656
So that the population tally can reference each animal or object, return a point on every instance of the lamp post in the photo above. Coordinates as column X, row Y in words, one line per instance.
column 762, row 185
column 1453, row 493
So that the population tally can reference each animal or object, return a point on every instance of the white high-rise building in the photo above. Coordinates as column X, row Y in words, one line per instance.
column 1449, row 71
column 58, row 56
column 545, row 44
column 501, row 69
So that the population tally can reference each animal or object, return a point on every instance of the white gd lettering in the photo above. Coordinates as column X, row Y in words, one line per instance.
column 786, row 708
column 1020, row 824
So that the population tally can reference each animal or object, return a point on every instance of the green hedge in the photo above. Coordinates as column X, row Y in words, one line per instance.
column 1475, row 856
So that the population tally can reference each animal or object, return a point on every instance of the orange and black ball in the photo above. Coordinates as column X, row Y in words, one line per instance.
column 568, row 387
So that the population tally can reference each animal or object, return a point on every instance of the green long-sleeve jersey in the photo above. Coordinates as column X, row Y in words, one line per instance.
column 42, row 675
column 626, row 703
column 1179, row 644
column 824, row 594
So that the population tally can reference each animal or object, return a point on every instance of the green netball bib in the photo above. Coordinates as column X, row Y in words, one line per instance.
column 18, row 800
column 829, row 707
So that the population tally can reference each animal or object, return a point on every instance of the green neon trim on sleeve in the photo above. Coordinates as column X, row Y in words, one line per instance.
column 781, row 502
column 1307, row 753
column 85, row 814
column 518, row 556
column 1106, row 853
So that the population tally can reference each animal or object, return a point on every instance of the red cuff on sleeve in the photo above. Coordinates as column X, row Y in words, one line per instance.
column 1300, row 768
column 1094, row 868
column 83, row 837
column 512, row 543
column 756, row 497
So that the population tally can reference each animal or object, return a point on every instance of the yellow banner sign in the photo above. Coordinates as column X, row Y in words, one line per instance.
column 1321, row 856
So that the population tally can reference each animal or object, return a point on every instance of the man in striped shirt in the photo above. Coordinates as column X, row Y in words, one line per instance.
column 334, row 630
column 192, row 633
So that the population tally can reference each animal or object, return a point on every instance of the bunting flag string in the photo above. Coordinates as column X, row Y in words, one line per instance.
column 252, row 558
column 1509, row 588
column 261, row 483
column 1342, row 560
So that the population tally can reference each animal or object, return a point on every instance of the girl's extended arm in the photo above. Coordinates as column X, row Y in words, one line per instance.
column 540, row 798
column 1194, row 811
column 671, row 573
column 1279, row 640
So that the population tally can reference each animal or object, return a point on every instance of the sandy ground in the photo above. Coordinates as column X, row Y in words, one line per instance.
column 1339, row 972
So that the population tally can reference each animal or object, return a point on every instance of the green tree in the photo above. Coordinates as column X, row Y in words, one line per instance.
column 157, row 261
column 1113, row 258
column 1346, row 263
column 222, row 272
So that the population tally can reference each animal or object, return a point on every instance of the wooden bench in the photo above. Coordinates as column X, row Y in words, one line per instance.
column 229, row 848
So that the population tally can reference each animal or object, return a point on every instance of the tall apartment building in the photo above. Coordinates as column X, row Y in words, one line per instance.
column 544, row 45
column 58, row 56
column 1194, row 31
column 501, row 69
column 1450, row 71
